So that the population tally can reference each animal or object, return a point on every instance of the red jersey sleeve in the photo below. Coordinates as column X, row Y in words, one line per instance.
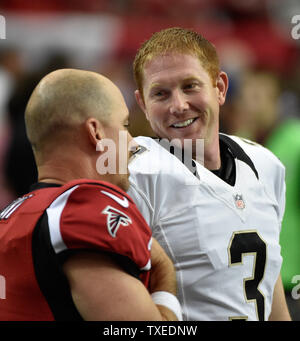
column 98, row 217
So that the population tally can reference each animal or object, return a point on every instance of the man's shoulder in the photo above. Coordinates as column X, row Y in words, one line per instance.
column 153, row 145
column 260, row 155
column 155, row 166
column 153, row 157
column 145, row 140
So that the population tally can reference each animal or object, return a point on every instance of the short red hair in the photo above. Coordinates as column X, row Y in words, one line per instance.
column 177, row 40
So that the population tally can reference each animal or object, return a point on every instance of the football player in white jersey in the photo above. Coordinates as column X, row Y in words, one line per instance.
column 218, row 220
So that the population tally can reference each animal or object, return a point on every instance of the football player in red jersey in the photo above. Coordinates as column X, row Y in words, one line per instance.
column 76, row 247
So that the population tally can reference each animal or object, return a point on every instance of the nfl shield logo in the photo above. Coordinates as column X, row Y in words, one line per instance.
column 239, row 201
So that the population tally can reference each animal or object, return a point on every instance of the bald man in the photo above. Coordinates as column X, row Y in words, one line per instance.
column 76, row 247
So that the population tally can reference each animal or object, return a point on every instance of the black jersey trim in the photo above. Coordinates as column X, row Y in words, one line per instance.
column 238, row 152
column 227, row 171
column 126, row 263
column 233, row 148
column 51, row 279
column 40, row 185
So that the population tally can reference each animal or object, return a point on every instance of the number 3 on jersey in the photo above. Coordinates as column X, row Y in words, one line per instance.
column 244, row 243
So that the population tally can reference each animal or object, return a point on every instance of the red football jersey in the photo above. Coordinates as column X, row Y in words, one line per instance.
column 41, row 229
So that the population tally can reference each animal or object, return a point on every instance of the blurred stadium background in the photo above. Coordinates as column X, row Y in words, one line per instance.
column 253, row 39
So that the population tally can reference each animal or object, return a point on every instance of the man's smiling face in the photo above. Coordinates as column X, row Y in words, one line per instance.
column 180, row 100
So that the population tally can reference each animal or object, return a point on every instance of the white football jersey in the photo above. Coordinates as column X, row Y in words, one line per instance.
column 223, row 240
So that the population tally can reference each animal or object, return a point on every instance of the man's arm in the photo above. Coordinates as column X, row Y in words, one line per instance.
column 103, row 291
column 280, row 310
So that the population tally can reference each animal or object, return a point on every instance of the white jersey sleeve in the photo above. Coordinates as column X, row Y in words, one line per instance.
column 270, row 169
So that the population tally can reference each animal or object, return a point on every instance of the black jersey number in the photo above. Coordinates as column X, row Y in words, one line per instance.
column 250, row 243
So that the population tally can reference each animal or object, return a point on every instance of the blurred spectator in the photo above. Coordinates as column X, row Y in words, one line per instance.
column 19, row 169
column 19, row 165
column 257, row 104
column 11, row 69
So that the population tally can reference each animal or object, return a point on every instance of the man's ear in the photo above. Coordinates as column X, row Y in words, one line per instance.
column 222, row 87
column 94, row 130
column 140, row 102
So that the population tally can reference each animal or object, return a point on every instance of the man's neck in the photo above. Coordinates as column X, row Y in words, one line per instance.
column 212, row 156
column 60, row 171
